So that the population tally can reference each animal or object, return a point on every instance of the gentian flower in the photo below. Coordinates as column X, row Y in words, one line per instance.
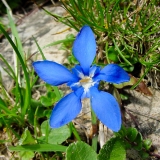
column 83, row 79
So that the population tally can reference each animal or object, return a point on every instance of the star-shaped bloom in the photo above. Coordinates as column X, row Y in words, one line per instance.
column 83, row 79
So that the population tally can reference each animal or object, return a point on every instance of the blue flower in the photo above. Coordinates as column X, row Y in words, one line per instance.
column 83, row 79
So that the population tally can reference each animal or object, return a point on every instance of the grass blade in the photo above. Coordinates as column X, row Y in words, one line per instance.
column 39, row 148
column 27, row 91
column 15, row 34
column 9, row 67
column 39, row 48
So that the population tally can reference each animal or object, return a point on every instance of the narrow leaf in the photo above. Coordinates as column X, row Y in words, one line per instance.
column 39, row 48
column 15, row 34
column 39, row 148
column 27, row 91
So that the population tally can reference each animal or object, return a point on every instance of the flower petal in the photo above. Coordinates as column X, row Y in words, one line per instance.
column 84, row 48
column 113, row 73
column 106, row 108
column 53, row 73
column 94, row 70
column 78, row 71
column 65, row 110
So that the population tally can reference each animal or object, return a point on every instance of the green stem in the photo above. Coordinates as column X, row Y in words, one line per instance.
column 73, row 129
column 35, row 122
column 93, row 117
column 106, row 51
column 94, row 130
column 94, row 142
column 140, row 79
column 57, row 92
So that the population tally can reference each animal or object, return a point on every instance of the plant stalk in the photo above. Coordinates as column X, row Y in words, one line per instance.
column 94, row 135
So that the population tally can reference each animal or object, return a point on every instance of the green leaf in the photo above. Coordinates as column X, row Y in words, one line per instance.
column 39, row 48
column 26, row 155
column 144, row 155
column 132, row 134
column 113, row 54
column 15, row 34
column 124, row 97
column 51, row 95
column 47, row 113
column 3, row 107
column 113, row 150
column 80, row 151
column 45, row 101
column 147, row 144
column 127, row 67
column 58, row 93
column 26, row 138
column 39, row 148
column 9, row 68
column 26, row 74
column 31, row 115
column 60, row 41
column 72, row 60
column 49, row 99
column 57, row 135
column 122, row 132
column 131, row 82
column 138, row 141
column 74, row 131
column 121, row 54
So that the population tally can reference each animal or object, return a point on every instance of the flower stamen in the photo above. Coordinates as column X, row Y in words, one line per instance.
column 85, row 80
column 86, row 83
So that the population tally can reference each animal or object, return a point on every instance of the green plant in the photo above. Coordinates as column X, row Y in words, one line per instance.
column 126, row 34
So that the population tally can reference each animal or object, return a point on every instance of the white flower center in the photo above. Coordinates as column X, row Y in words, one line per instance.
column 86, row 82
